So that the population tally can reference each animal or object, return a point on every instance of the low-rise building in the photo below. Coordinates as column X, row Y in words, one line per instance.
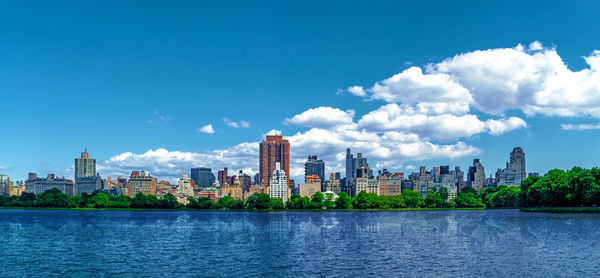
column 88, row 184
column 40, row 185
column 368, row 185
column 141, row 182
column 308, row 189
column 390, row 185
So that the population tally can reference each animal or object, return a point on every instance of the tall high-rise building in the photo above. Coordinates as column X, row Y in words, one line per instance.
column 314, row 166
column 274, row 149
column 476, row 177
column 222, row 176
column 85, row 166
column 350, row 170
column 517, row 161
column 278, row 184
column 202, row 177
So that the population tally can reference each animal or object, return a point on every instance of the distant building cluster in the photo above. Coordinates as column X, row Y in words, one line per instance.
column 273, row 178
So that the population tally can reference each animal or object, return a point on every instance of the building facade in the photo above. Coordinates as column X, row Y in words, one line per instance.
column 517, row 161
column 88, row 184
column 368, row 185
column 85, row 166
column 274, row 149
column 308, row 189
column 141, row 182
column 314, row 166
column 202, row 177
column 390, row 185
column 39, row 185
column 476, row 176
column 278, row 184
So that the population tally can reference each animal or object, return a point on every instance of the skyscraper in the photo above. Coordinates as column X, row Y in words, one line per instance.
column 476, row 177
column 202, row 177
column 273, row 150
column 222, row 176
column 85, row 166
column 350, row 170
column 314, row 166
column 517, row 161
column 86, row 180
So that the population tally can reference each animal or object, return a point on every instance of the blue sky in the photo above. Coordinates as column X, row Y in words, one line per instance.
column 123, row 79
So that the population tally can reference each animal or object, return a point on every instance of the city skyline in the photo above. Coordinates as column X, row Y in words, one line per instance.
column 168, row 95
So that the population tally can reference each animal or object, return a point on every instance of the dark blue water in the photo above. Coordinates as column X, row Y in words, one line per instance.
column 499, row 243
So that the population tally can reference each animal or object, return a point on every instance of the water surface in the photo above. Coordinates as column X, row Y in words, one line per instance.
column 499, row 243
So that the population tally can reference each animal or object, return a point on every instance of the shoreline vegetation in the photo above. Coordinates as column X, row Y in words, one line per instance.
column 575, row 190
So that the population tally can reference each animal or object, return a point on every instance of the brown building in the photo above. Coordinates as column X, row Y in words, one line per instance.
column 312, row 179
column 141, row 182
column 272, row 150
column 209, row 192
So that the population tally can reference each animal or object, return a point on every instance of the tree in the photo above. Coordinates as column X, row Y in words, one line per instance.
column 364, row 200
column 412, row 199
column 98, row 200
column 298, row 202
column 433, row 200
column 169, row 201
column 53, row 198
column 75, row 201
column 469, row 189
column 139, row 200
column 343, row 201
column 468, row 200
column 276, row 203
column 225, row 202
column 444, row 193
column 318, row 197
column 504, row 197
column 397, row 202
column 27, row 199
column 259, row 201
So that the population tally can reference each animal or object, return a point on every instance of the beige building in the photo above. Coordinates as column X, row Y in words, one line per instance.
column 234, row 191
column 142, row 182
column 85, row 166
column 308, row 189
column 368, row 185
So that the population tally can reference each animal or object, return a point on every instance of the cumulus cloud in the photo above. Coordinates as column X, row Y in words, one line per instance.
column 357, row 91
column 208, row 129
column 241, row 124
column 442, row 127
column 412, row 86
column 580, row 126
column 532, row 79
column 322, row 117
column 535, row 80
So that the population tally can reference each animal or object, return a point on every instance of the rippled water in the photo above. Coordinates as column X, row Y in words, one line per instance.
column 43, row 243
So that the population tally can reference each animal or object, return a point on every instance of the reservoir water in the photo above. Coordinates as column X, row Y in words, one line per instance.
column 482, row 243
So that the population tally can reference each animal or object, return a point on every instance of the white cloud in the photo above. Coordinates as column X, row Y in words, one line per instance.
column 532, row 79
column 241, row 124
column 322, row 117
column 580, row 126
column 357, row 91
column 208, row 129
column 442, row 127
column 412, row 86
column 497, row 127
